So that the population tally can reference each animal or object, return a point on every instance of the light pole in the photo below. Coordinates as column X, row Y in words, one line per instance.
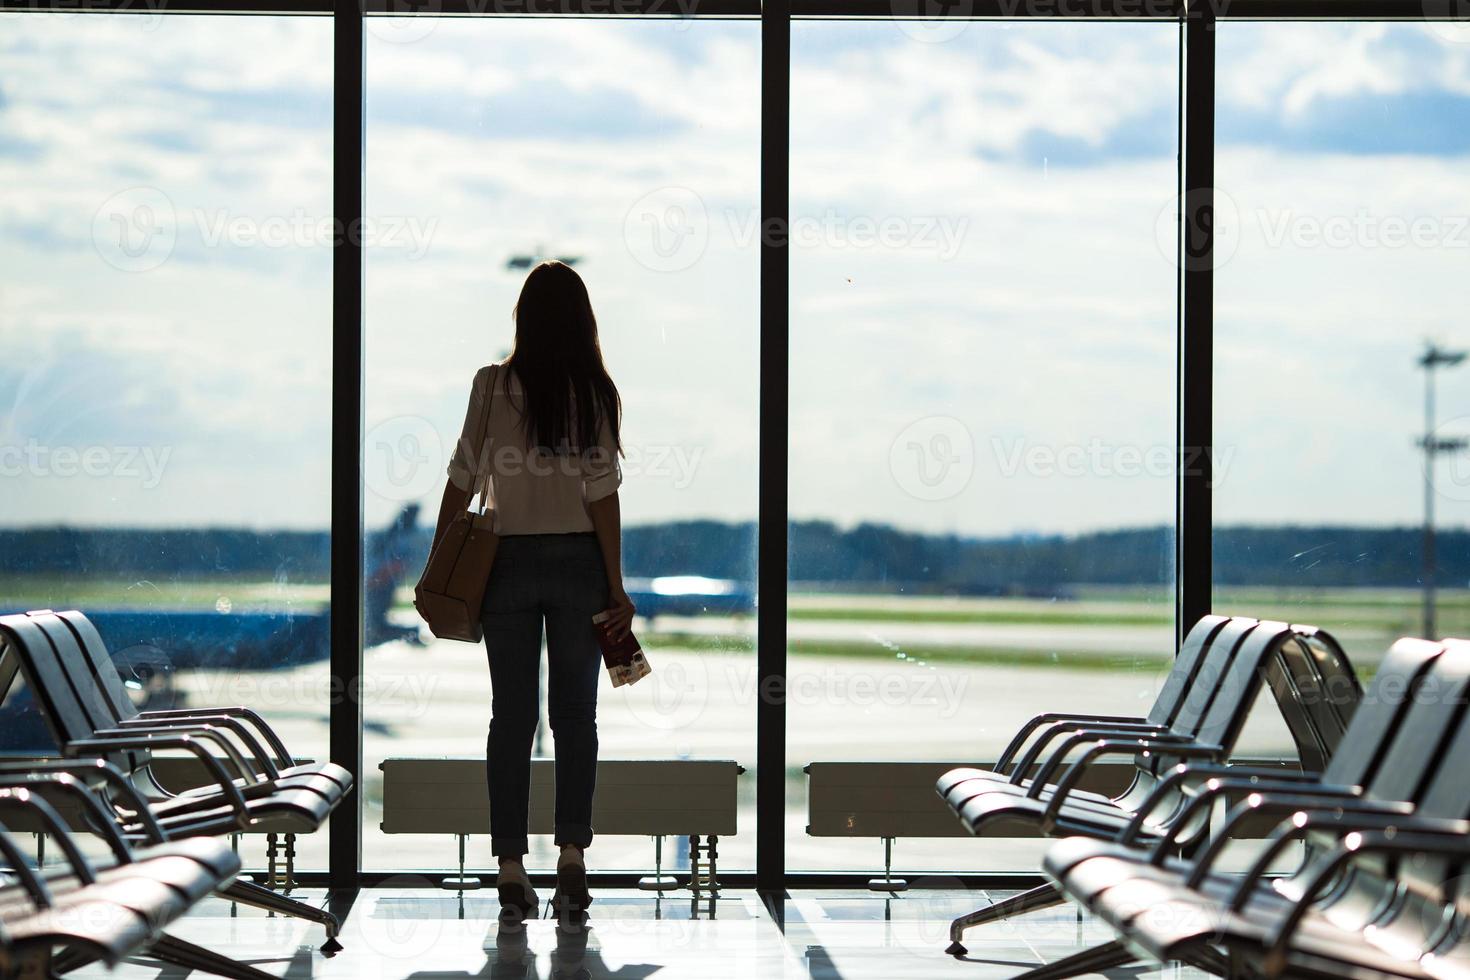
column 1432, row 358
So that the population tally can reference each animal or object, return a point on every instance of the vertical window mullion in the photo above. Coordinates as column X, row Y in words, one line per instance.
column 345, row 846
column 1196, row 321
column 775, row 368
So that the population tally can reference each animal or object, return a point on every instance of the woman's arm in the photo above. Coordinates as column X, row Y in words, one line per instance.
column 607, row 522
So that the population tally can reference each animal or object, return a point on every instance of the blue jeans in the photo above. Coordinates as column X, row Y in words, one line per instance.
column 558, row 578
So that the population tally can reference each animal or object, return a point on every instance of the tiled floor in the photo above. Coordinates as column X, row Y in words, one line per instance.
column 417, row 933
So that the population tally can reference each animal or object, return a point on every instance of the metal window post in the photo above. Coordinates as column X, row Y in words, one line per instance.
column 775, row 371
column 1194, row 571
column 345, row 844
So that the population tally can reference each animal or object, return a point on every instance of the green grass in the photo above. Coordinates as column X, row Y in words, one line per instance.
column 1366, row 619
column 921, row 653
column 61, row 592
column 1052, row 614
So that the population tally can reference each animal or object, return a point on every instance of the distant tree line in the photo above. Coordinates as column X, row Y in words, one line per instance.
column 866, row 556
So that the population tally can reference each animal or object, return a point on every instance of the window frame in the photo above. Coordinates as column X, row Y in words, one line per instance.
column 1195, row 325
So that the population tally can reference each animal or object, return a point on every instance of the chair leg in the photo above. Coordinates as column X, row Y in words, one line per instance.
column 1094, row 960
column 35, row 965
column 66, row 960
column 1040, row 897
column 258, row 896
column 179, row 952
column 1208, row 960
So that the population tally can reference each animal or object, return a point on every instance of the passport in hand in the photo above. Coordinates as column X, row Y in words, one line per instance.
column 624, row 657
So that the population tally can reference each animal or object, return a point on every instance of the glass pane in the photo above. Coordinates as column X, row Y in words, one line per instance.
column 982, row 423
column 494, row 143
column 165, row 311
column 1341, row 161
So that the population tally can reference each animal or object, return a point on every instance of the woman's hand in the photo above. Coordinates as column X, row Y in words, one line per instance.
column 620, row 612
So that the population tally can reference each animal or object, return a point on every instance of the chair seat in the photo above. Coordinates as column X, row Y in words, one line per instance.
column 109, row 931
column 957, row 790
column 215, row 855
column 296, row 789
column 287, row 810
column 167, row 877
column 981, row 812
column 325, row 777
column 329, row 788
column 331, row 770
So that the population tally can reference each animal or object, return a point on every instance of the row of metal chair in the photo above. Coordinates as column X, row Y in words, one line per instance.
column 108, row 747
column 1197, row 718
column 82, row 910
column 1378, row 892
column 1380, row 834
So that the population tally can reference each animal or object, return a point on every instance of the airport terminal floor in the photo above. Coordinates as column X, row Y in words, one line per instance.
column 827, row 935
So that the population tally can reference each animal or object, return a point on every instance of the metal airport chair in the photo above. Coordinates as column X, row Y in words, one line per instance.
column 1205, row 729
column 1395, row 770
column 56, row 919
column 248, row 800
column 1014, row 767
column 91, row 657
column 1310, row 679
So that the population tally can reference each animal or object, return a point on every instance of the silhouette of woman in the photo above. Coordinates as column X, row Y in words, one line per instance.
column 549, row 467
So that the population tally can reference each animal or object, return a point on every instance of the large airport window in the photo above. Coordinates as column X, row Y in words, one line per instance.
column 165, row 312
column 492, row 144
column 982, row 393
column 1342, row 235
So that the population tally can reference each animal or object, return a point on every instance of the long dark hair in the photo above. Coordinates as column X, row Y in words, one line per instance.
column 559, row 363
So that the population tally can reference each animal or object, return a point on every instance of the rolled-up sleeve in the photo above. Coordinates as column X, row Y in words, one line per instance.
column 601, row 474
column 464, row 461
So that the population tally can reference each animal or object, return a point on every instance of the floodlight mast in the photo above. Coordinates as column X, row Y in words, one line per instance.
column 1434, row 357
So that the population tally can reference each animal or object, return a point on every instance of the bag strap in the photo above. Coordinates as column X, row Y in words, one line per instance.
column 482, row 469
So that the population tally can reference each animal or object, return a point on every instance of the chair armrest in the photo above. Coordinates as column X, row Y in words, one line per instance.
column 1217, row 786
column 105, row 822
column 1143, row 741
column 1252, row 775
column 1307, row 815
column 84, row 769
column 1132, row 747
column 1047, row 718
column 242, row 768
column 29, row 803
column 284, row 759
column 264, row 763
column 1079, row 729
column 188, row 742
column 1449, row 838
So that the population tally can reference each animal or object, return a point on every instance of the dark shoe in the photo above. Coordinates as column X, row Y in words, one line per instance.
column 518, row 902
column 572, row 897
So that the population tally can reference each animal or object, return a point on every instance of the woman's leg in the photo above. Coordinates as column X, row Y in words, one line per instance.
column 574, row 668
column 574, row 664
column 512, row 625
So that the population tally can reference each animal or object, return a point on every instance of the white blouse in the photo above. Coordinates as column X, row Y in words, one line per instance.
column 531, row 491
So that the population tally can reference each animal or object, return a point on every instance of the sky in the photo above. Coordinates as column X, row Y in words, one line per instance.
column 982, row 288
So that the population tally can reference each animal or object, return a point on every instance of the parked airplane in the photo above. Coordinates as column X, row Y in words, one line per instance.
column 150, row 645
column 690, row 595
